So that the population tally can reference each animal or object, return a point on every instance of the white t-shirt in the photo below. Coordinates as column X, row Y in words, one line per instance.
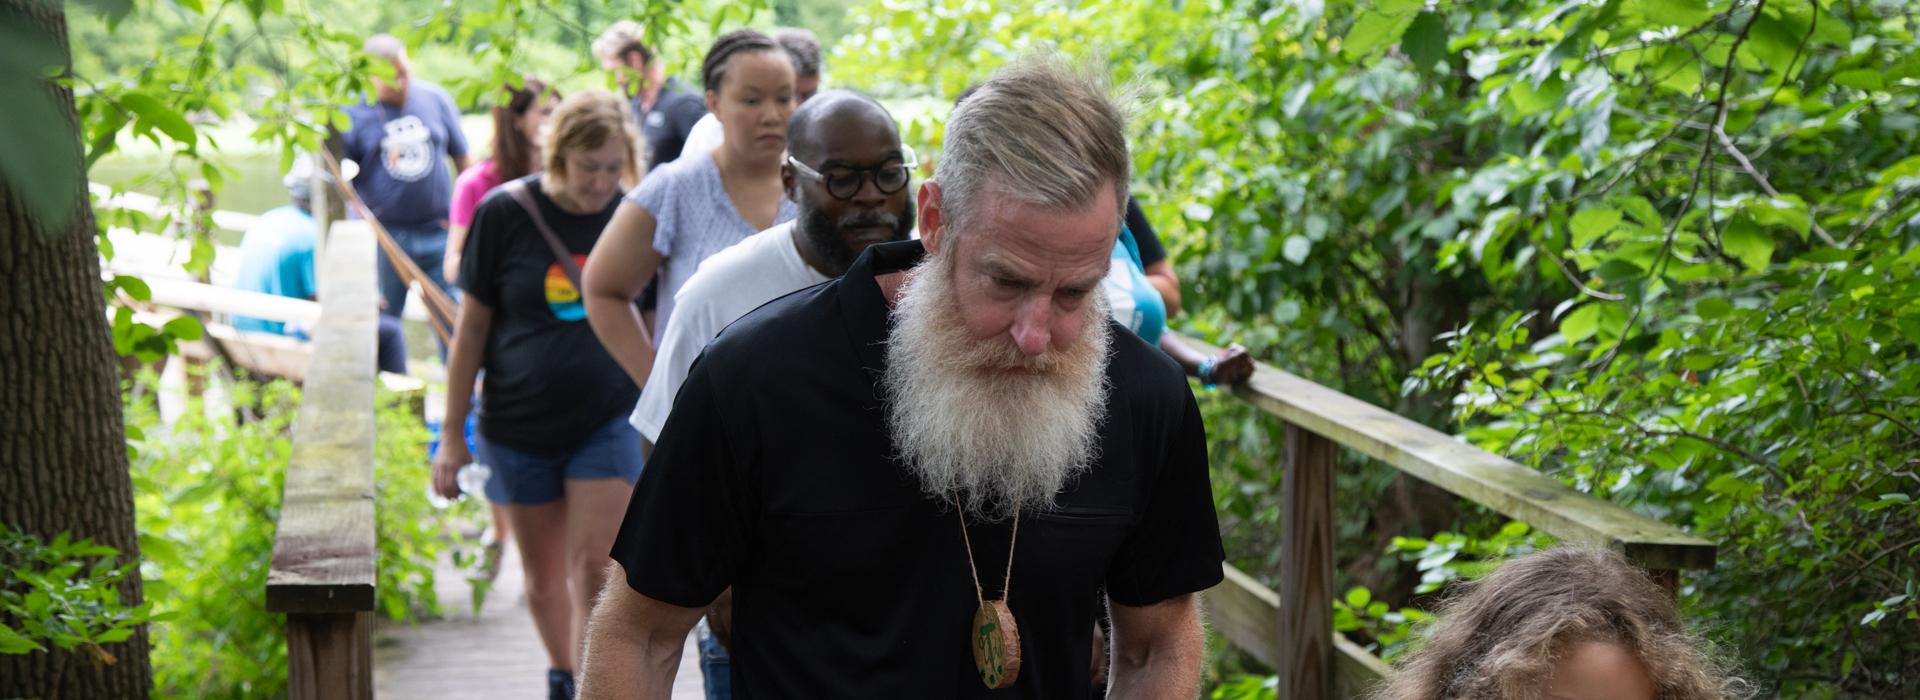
column 705, row 136
column 730, row 283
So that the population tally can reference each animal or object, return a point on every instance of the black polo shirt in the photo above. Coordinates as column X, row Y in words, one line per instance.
column 665, row 127
column 773, row 474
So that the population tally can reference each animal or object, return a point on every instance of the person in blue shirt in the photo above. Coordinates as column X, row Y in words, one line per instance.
column 276, row 257
column 1143, row 294
column 402, row 140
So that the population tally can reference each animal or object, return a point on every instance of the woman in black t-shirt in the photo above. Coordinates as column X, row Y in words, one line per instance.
column 553, row 420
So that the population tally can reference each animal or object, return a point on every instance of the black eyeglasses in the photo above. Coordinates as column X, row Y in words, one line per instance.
column 844, row 182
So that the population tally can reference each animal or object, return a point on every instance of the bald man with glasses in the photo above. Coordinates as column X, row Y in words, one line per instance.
column 848, row 173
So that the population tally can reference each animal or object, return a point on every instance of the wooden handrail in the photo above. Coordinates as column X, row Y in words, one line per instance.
column 1248, row 614
column 1292, row 630
column 1469, row 472
column 322, row 575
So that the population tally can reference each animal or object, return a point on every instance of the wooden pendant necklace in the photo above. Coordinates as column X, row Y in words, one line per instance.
column 996, row 637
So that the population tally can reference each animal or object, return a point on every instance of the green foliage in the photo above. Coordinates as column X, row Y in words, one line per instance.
column 1663, row 250
column 64, row 594
column 207, row 495
column 1771, row 413
column 414, row 535
column 1248, row 686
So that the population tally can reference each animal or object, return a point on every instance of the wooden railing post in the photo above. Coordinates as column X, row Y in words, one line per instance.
column 1306, row 555
column 329, row 656
column 324, row 553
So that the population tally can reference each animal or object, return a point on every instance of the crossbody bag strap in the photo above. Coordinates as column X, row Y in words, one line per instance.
column 517, row 189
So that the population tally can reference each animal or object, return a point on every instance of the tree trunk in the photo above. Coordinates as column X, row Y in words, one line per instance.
column 63, row 459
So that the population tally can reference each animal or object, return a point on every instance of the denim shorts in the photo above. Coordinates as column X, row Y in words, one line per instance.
column 525, row 478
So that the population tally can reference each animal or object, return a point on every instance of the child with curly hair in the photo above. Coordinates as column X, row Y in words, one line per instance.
column 1564, row 624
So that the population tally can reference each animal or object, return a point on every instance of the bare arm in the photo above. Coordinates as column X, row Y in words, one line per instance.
column 462, row 162
column 463, row 366
column 633, row 643
column 1232, row 366
column 616, row 273
column 1157, row 649
column 456, row 242
column 1160, row 275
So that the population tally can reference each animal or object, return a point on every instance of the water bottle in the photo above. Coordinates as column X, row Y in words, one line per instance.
column 472, row 480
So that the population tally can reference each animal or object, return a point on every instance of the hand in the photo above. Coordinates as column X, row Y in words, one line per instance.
column 1232, row 366
column 447, row 463
column 450, row 266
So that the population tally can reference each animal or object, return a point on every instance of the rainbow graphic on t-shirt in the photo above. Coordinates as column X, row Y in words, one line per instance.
column 562, row 299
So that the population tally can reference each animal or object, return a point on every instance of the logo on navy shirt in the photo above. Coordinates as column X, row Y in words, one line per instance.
column 407, row 149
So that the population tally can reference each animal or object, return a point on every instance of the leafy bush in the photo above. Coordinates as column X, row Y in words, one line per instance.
column 1664, row 250
column 207, row 493
column 65, row 594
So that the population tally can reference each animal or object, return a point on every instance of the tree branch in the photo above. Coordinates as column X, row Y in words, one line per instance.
column 1693, row 188
column 1767, row 187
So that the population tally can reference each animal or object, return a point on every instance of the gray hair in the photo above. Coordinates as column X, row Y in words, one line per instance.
column 624, row 37
column 1039, row 131
column 385, row 46
column 803, row 47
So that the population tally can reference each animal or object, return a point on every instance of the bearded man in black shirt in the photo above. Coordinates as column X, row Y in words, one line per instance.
column 917, row 477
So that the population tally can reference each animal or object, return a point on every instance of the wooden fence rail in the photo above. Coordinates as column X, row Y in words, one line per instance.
column 1292, row 630
column 323, row 557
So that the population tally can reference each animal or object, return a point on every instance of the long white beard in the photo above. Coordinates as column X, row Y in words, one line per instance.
column 980, row 422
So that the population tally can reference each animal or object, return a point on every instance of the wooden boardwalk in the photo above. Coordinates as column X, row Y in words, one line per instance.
column 494, row 655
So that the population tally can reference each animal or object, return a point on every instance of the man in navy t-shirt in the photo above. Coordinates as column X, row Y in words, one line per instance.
column 402, row 141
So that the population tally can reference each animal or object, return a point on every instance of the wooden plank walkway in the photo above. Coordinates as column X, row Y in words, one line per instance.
column 494, row 655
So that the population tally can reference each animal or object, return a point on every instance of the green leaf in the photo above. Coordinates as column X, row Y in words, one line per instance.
column 1712, row 308
column 1749, row 244
column 39, row 154
column 1425, row 41
column 1581, row 324
column 1592, row 223
column 1359, row 596
column 1906, row 168
column 1679, row 71
column 1641, row 210
column 1910, row 327
column 1374, row 31
column 184, row 328
column 115, row 10
column 1528, row 100
column 134, row 287
column 1787, row 210
column 1672, row 13
column 160, row 550
column 160, row 116
column 12, row 642
column 1863, row 79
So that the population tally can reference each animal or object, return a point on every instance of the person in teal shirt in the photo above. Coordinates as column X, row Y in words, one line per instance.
column 276, row 257
column 276, row 254
column 1141, row 305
